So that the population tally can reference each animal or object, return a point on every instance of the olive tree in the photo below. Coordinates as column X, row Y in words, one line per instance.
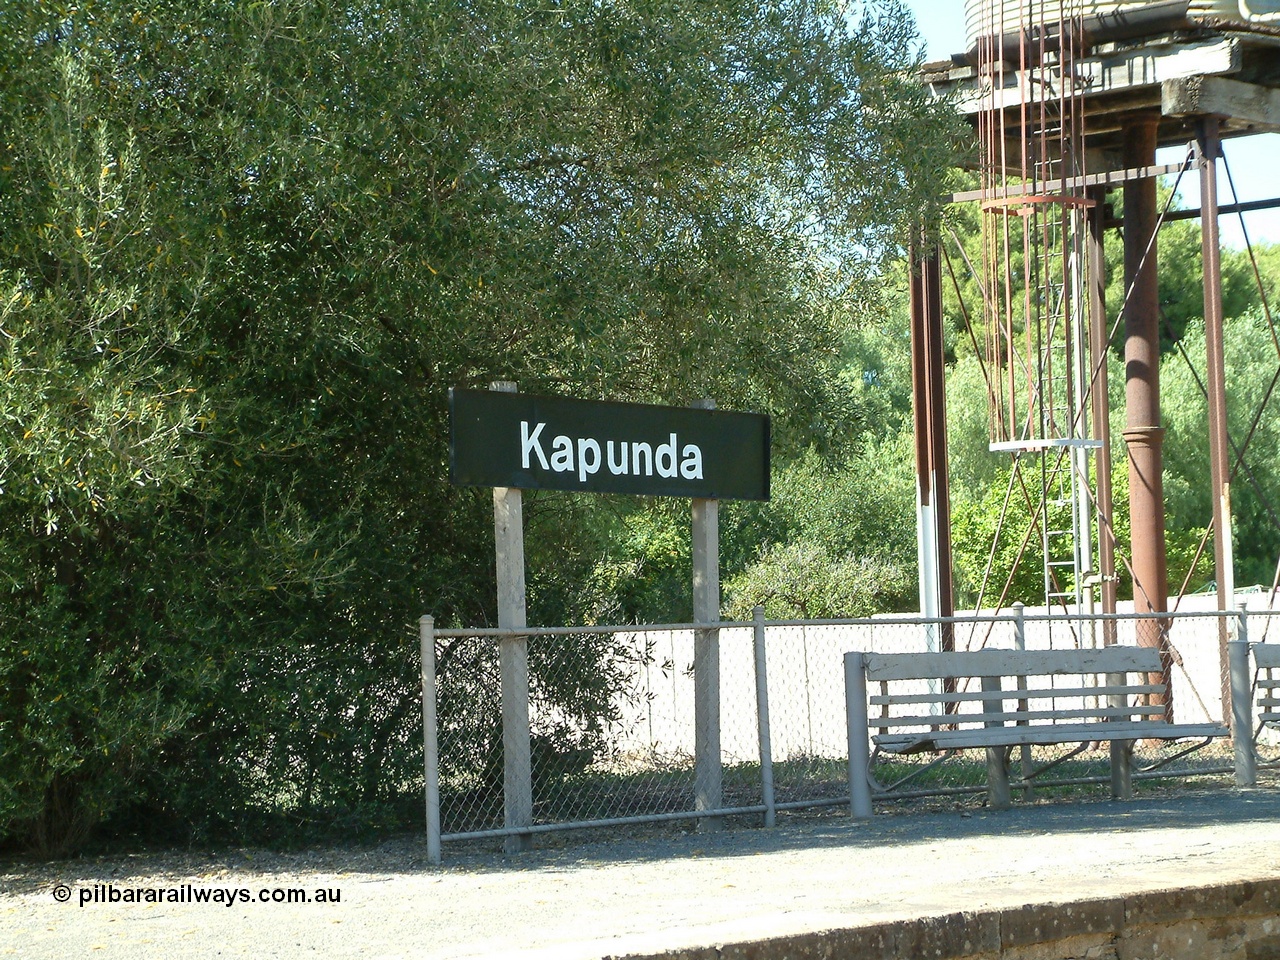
column 245, row 249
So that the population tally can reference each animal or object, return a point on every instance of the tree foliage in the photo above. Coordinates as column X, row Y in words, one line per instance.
column 838, row 538
column 244, row 251
column 1252, row 360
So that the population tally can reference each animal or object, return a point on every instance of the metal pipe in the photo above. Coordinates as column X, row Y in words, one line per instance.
column 607, row 822
column 885, row 621
column 855, row 699
column 762, row 717
column 430, row 736
column 1246, row 760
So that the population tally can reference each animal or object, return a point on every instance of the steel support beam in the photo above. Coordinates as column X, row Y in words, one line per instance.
column 1112, row 178
column 926, row 527
column 1143, row 433
column 1215, row 364
column 938, row 438
column 1100, row 396
column 1249, row 206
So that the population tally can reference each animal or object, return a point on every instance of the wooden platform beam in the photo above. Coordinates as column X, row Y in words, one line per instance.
column 1245, row 103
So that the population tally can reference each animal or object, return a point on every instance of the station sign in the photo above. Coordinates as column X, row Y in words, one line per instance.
column 500, row 439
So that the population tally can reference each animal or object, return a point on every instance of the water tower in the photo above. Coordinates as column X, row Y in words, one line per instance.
column 1069, row 100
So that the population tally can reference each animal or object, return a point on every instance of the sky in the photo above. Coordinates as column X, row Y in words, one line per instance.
column 1252, row 160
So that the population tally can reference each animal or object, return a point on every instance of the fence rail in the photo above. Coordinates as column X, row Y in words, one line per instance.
column 612, row 718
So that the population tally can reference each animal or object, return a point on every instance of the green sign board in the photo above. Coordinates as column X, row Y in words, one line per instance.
column 499, row 439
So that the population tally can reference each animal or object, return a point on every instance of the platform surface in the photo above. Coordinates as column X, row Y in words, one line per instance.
column 640, row 894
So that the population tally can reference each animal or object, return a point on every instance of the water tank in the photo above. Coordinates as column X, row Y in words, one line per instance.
column 1114, row 21
column 1259, row 11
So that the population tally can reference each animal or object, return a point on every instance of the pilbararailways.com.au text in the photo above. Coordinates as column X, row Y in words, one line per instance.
column 101, row 894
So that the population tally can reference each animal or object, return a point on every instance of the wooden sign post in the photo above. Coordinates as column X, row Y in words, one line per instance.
column 513, row 660
column 509, row 441
column 707, row 789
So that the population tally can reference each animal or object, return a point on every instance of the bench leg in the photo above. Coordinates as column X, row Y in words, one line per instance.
column 1122, row 769
column 1028, row 771
column 997, row 778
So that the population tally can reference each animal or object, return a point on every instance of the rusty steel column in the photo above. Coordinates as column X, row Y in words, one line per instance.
column 933, row 514
column 1143, row 433
column 1098, row 351
column 1219, row 443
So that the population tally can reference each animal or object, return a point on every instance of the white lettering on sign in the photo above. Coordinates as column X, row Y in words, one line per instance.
column 621, row 457
column 588, row 458
column 561, row 454
column 529, row 444
column 691, row 462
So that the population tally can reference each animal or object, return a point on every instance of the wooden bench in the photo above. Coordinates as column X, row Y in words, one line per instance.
column 1266, row 681
column 1000, row 699
column 1258, row 687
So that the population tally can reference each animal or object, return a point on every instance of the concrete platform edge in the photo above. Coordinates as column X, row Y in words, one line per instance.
column 1232, row 921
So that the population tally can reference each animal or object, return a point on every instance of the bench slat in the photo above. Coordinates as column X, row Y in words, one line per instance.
column 1043, row 735
column 1012, row 716
column 1037, row 693
column 1266, row 654
column 1010, row 663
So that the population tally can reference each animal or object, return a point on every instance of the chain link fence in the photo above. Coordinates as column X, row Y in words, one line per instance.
column 612, row 727
column 613, row 722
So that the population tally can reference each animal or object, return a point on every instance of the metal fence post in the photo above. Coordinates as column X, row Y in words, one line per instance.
column 1246, row 762
column 430, row 736
column 855, row 697
column 762, row 718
